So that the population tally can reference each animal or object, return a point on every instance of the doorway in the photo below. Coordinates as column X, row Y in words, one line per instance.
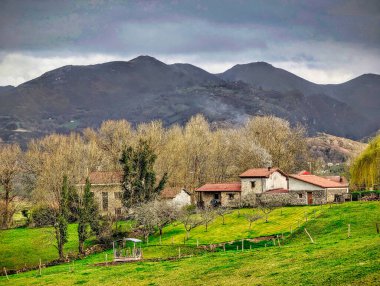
column 309, row 198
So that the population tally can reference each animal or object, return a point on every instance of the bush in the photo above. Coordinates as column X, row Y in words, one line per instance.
column 42, row 216
column 358, row 195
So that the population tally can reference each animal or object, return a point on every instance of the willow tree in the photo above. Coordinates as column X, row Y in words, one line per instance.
column 365, row 170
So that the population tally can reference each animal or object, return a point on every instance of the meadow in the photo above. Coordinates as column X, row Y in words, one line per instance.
column 338, row 257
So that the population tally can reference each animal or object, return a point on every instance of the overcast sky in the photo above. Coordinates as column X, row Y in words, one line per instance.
column 323, row 41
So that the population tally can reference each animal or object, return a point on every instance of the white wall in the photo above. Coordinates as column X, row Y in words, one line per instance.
column 275, row 181
column 297, row 185
column 182, row 199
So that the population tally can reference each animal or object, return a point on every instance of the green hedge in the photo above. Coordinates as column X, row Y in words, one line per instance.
column 357, row 195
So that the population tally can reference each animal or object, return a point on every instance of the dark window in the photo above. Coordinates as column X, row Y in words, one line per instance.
column 216, row 196
column 231, row 196
column 105, row 201
column 253, row 184
column 118, row 195
column 118, row 211
column 300, row 196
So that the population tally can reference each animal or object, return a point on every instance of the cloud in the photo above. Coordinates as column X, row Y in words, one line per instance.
column 323, row 41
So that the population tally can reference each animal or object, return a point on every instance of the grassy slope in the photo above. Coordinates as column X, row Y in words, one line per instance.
column 333, row 260
column 237, row 227
column 25, row 246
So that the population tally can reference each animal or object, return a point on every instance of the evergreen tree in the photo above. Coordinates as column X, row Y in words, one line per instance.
column 87, row 215
column 62, row 215
column 139, row 179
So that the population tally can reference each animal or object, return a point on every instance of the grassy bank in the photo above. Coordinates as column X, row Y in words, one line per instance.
column 335, row 259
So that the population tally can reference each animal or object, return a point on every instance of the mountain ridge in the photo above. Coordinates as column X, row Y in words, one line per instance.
column 71, row 98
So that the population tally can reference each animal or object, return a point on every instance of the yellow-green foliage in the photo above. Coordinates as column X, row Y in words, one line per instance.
column 365, row 171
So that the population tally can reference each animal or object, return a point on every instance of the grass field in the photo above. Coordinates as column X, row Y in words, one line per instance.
column 334, row 259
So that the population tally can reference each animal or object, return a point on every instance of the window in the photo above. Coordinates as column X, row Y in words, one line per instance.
column 216, row 196
column 231, row 196
column 105, row 201
column 300, row 196
column 118, row 195
column 253, row 184
column 118, row 211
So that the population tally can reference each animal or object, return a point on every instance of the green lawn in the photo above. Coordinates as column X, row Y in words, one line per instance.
column 334, row 259
column 23, row 246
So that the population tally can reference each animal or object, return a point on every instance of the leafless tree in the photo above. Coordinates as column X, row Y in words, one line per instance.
column 222, row 212
column 207, row 214
column 252, row 217
column 190, row 219
column 10, row 168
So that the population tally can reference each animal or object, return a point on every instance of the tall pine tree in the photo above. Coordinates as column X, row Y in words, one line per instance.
column 139, row 180
column 87, row 215
column 62, row 215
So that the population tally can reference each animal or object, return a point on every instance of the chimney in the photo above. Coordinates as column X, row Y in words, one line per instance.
column 340, row 179
column 269, row 168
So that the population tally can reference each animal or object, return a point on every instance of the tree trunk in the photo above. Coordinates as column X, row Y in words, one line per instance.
column 187, row 234
column 223, row 219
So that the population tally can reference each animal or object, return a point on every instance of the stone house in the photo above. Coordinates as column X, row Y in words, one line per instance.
column 108, row 191
column 218, row 194
column 178, row 196
column 274, row 184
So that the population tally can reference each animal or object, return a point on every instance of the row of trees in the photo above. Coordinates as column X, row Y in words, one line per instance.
column 185, row 156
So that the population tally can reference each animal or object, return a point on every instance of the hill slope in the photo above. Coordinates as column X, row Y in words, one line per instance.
column 144, row 89
column 335, row 259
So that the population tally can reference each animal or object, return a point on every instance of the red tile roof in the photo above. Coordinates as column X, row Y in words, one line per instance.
column 338, row 179
column 106, row 177
column 277, row 191
column 224, row 187
column 319, row 181
column 260, row 173
column 171, row 193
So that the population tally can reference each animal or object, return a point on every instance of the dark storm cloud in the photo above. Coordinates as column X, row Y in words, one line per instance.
column 317, row 39
column 186, row 26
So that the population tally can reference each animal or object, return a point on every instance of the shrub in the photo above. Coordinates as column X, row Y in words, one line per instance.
column 42, row 216
column 358, row 195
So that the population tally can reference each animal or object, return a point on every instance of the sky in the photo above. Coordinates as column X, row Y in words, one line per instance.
column 324, row 41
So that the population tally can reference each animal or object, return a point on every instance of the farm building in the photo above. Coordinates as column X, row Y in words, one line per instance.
column 108, row 192
column 218, row 194
column 177, row 196
column 298, row 189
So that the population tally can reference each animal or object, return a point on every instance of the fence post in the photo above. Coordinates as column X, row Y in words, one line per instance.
column 5, row 272
column 224, row 247
column 106, row 259
column 274, row 242
column 349, row 231
column 291, row 230
column 314, row 213
column 197, row 242
column 39, row 267
column 160, row 240
column 311, row 239
column 172, row 240
column 377, row 227
column 179, row 252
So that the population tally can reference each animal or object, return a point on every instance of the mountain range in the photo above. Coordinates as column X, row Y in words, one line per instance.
column 144, row 89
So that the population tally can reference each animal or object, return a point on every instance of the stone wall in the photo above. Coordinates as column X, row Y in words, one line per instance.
column 332, row 192
column 114, row 193
column 182, row 199
column 246, row 185
column 296, row 198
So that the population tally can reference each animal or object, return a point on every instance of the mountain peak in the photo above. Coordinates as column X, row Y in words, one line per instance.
column 145, row 59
